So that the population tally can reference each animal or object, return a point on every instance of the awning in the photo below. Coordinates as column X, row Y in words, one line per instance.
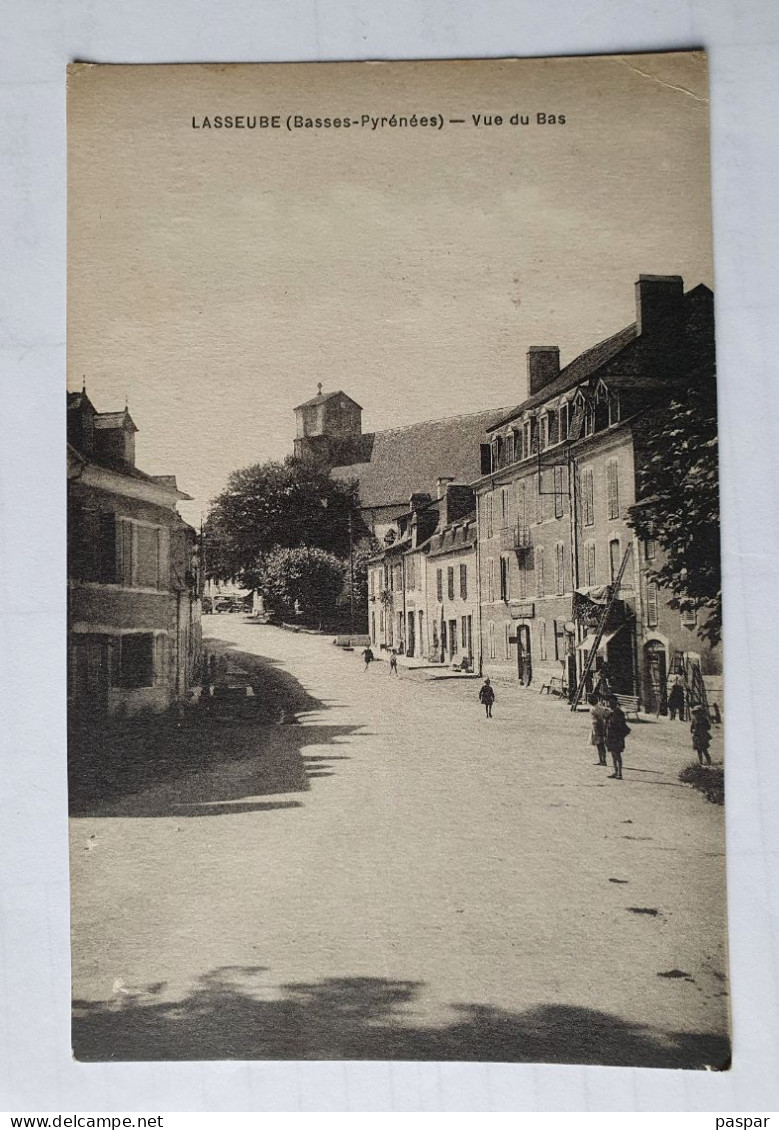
column 598, row 594
column 588, row 642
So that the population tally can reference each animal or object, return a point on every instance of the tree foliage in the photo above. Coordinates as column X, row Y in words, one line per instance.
column 679, row 502
column 302, row 583
column 276, row 504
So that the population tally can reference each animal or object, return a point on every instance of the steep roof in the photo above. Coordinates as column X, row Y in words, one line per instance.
column 321, row 397
column 625, row 345
column 404, row 461
column 107, row 420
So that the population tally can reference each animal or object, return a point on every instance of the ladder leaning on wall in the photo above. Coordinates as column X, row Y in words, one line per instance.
column 602, row 621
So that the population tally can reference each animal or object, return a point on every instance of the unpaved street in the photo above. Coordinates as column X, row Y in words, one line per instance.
column 395, row 876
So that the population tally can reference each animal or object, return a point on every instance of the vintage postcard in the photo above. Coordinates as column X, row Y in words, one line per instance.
column 395, row 661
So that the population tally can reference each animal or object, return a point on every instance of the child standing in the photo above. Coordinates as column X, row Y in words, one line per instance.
column 393, row 667
column 617, row 730
column 487, row 696
column 598, row 715
column 700, row 728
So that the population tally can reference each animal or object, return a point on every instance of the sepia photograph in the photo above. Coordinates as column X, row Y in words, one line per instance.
column 396, row 717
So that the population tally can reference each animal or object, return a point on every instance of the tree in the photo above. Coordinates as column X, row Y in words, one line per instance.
column 679, row 501
column 304, row 582
column 272, row 504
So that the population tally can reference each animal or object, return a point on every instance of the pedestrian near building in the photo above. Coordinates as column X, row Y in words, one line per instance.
column 598, row 715
column 676, row 697
column 487, row 696
column 368, row 657
column 393, row 664
column 700, row 728
column 617, row 730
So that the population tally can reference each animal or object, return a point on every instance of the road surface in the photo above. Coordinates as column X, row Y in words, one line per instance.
column 392, row 875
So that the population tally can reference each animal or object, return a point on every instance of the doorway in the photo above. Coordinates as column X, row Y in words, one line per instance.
column 656, row 678
column 524, row 656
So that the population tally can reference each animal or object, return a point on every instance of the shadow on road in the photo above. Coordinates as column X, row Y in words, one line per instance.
column 228, row 1016
column 206, row 762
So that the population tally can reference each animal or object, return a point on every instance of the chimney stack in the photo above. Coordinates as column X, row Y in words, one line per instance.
column 543, row 365
column 442, row 483
column 658, row 302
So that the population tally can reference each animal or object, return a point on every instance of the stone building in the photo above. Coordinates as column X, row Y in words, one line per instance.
column 133, row 586
column 559, row 477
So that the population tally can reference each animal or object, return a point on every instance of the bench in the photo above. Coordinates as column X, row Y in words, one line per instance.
column 628, row 703
column 554, row 686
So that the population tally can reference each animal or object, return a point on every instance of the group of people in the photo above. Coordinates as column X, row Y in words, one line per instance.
column 610, row 728
column 369, row 658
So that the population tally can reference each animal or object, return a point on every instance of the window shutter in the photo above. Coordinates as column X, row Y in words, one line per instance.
column 651, row 604
column 486, row 458
column 612, row 488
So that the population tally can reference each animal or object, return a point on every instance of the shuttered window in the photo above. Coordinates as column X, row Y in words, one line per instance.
column 450, row 582
column 463, row 582
column 491, row 579
column 590, row 572
column 439, row 585
column 560, row 568
column 540, row 571
column 542, row 640
column 652, row 610
column 588, row 497
column 559, row 497
column 612, row 488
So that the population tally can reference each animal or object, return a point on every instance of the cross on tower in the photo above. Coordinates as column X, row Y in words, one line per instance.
column 319, row 388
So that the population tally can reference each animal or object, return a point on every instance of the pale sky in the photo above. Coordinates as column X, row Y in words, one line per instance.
column 216, row 276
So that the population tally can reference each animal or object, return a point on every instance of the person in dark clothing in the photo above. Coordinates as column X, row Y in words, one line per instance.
column 617, row 730
column 487, row 696
column 700, row 728
column 676, row 697
column 393, row 667
column 368, row 657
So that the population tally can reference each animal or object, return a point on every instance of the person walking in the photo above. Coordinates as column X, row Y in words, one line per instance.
column 487, row 696
column 393, row 667
column 700, row 728
column 617, row 730
column 368, row 657
column 676, row 697
column 598, row 715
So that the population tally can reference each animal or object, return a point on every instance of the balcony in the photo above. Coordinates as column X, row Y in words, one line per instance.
column 515, row 537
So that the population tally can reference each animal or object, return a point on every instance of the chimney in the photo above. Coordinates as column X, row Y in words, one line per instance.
column 543, row 365
column 441, row 484
column 658, row 302
column 459, row 500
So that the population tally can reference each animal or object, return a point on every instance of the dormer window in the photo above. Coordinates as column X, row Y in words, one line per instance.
column 526, row 436
column 563, row 423
column 543, row 432
column 517, row 446
column 553, row 426
column 614, row 409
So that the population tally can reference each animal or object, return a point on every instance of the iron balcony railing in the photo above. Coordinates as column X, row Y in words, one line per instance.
column 515, row 537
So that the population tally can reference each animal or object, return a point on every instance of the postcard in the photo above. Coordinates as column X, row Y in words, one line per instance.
column 396, row 712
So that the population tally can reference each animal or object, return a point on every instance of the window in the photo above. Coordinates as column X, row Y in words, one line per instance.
column 560, row 644
column 464, row 632
column 542, row 640
column 463, row 582
column 517, row 446
column 554, row 429
column 410, row 578
column 543, row 431
column 507, row 642
column 504, row 505
column 495, row 455
column 539, row 499
column 614, row 558
column 689, row 618
column 144, row 555
column 560, row 568
column 491, row 637
column 589, row 420
column 381, row 620
column 491, row 580
column 450, row 582
column 588, row 497
column 522, row 579
column 651, row 605
column 521, row 504
column 505, row 593
column 526, row 436
column 489, row 516
column 373, row 583
column 92, row 545
column 540, row 571
column 439, row 585
column 590, row 573
column 612, row 488
column 135, row 660
column 614, row 410
column 559, row 504
column 563, row 429
column 650, row 549
column 373, row 627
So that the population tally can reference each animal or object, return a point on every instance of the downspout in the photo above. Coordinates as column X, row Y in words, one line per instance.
column 478, row 583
